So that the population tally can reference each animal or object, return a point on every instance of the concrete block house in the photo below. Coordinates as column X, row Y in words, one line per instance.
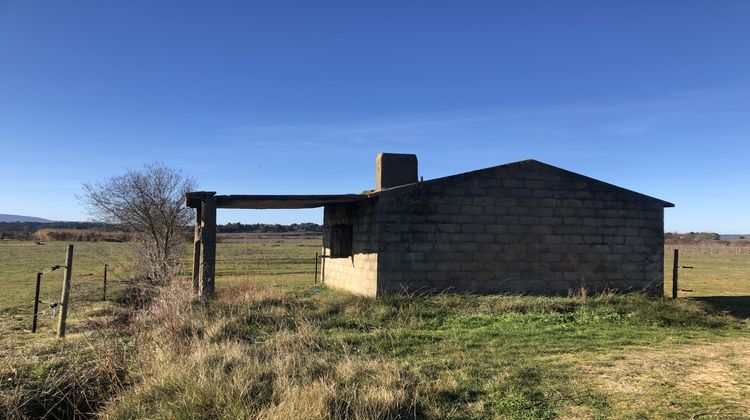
column 522, row 227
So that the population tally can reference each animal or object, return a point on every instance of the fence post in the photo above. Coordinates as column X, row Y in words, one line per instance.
column 323, row 266
column 105, row 282
column 315, row 278
column 36, row 301
column 65, row 292
column 674, row 273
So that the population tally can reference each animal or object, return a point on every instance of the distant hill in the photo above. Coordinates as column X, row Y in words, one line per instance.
column 17, row 218
column 734, row 237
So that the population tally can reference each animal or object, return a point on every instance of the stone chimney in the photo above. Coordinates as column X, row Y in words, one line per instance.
column 394, row 169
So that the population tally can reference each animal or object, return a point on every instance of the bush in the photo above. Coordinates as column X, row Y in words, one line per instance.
column 81, row 235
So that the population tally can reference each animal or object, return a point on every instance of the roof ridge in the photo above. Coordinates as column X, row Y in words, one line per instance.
column 537, row 162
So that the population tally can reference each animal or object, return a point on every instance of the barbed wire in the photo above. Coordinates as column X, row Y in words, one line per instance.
column 723, row 292
column 51, row 310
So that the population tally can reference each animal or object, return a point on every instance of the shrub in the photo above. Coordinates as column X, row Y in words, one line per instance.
column 85, row 235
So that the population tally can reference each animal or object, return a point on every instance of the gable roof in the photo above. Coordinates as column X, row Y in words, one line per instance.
column 193, row 199
column 535, row 164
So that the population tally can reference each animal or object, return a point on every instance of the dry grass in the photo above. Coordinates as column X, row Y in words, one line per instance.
column 65, row 379
column 81, row 235
column 274, row 345
column 712, row 247
column 713, row 377
column 191, row 363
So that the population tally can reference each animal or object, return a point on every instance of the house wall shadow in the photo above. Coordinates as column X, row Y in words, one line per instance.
column 738, row 306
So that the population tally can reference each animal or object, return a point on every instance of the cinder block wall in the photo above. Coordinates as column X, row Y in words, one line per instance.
column 357, row 274
column 524, row 229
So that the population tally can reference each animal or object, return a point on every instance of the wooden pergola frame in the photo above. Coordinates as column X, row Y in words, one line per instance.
column 205, row 204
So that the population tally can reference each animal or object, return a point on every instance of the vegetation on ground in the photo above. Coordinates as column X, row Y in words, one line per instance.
column 79, row 235
column 273, row 344
column 79, row 231
column 21, row 260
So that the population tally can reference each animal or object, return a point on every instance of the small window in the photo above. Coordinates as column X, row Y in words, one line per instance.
column 341, row 241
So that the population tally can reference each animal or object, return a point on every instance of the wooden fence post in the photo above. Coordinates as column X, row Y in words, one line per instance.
column 36, row 301
column 323, row 266
column 674, row 273
column 315, row 278
column 105, row 282
column 65, row 293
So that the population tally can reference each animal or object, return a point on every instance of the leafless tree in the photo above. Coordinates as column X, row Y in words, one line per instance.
column 150, row 202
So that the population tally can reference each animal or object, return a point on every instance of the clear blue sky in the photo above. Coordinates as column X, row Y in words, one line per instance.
column 299, row 97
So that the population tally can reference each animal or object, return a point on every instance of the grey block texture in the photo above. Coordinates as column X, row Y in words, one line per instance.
column 526, row 227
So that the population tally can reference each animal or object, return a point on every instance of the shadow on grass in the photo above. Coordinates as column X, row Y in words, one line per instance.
column 738, row 306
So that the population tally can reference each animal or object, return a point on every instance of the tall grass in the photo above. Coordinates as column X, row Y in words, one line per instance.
column 195, row 361
column 63, row 379
column 259, row 352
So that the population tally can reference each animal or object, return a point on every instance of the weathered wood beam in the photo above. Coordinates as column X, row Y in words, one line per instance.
column 194, row 199
column 283, row 201
column 207, row 247
column 197, row 251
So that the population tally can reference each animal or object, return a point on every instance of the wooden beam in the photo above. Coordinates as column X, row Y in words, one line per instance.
column 284, row 201
column 197, row 251
column 207, row 248
column 194, row 199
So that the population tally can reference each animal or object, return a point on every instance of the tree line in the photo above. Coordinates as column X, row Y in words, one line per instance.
column 31, row 230
column 269, row 228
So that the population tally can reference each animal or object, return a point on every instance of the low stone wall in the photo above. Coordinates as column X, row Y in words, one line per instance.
column 358, row 273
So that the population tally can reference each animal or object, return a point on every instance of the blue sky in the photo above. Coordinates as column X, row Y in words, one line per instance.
column 299, row 97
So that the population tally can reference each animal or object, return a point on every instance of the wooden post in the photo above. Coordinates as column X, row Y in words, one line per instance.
column 104, row 292
column 323, row 267
column 315, row 278
column 36, row 301
column 674, row 273
column 65, row 293
column 197, row 252
column 208, row 247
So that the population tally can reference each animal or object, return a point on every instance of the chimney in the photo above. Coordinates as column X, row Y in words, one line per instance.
column 394, row 169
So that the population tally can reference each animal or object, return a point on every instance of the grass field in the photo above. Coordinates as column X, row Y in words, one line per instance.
column 19, row 263
column 719, row 276
column 275, row 345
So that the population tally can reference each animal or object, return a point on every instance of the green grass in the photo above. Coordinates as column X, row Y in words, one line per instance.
column 289, row 266
column 19, row 263
column 718, row 276
column 717, row 273
column 456, row 356
column 273, row 344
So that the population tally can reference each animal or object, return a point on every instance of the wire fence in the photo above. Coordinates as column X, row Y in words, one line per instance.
column 87, row 288
column 701, row 271
column 280, row 264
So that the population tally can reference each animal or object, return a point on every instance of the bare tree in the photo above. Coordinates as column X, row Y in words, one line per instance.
column 150, row 202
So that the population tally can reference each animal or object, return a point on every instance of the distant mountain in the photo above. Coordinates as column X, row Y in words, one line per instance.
column 17, row 218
